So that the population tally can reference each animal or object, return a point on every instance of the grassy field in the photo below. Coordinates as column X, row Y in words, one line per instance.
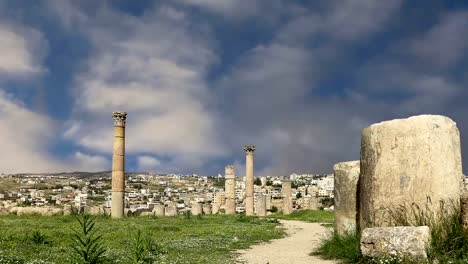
column 313, row 216
column 207, row 239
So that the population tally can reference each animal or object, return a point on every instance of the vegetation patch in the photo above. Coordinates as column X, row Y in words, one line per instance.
column 449, row 240
column 313, row 216
column 207, row 239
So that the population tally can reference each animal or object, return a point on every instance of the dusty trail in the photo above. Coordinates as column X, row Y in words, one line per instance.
column 302, row 239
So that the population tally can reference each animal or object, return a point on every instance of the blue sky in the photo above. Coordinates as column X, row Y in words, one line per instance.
column 201, row 78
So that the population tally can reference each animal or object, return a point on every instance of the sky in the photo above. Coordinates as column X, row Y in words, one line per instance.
column 202, row 78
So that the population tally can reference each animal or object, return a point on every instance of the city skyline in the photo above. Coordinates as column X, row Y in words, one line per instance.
column 201, row 79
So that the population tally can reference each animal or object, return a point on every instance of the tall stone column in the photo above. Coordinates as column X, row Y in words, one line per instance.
column 230, row 189
column 249, row 180
column 287, row 197
column 118, row 165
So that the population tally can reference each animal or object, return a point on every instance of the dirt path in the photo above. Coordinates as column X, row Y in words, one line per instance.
column 302, row 239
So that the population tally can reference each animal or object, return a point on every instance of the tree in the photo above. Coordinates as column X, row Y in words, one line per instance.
column 258, row 182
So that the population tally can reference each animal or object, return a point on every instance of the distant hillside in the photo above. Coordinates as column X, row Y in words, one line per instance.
column 77, row 174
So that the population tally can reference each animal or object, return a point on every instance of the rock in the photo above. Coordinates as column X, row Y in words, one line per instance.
column 159, row 210
column 346, row 181
column 408, row 161
column 171, row 210
column 409, row 241
column 314, row 203
column 206, row 209
column 197, row 208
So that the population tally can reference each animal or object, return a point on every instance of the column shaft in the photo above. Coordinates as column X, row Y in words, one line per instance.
column 249, row 184
column 118, row 166
column 230, row 190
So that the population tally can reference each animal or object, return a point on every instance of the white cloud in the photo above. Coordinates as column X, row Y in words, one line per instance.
column 154, row 67
column 85, row 162
column 24, row 136
column 148, row 163
column 22, row 50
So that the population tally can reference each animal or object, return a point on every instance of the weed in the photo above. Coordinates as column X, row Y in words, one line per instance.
column 335, row 246
column 37, row 237
column 144, row 248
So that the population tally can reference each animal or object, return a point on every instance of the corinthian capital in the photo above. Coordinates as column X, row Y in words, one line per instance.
column 119, row 118
column 229, row 170
column 249, row 149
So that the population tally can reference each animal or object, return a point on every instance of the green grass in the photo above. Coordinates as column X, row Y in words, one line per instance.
column 209, row 239
column 449, row 239
column 334, row 246
column 314, row 216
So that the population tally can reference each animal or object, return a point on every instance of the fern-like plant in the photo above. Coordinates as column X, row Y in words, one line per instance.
column 87, row 244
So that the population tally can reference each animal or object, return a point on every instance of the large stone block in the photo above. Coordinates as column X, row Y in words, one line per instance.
column 314, row 203
column 261, row 205
column 159, row 210
column 409, row 241
column 171, row 210
column 346, row 181
column 408, row 161
column 207, row 209
column 197, row 209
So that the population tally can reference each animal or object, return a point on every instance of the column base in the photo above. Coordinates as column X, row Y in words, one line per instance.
column 117, row 204
column 249, row 206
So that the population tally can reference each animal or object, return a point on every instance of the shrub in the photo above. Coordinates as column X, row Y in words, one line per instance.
column 274, row 209
column 87, row 244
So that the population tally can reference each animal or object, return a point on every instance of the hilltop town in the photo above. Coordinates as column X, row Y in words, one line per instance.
column 92, row 191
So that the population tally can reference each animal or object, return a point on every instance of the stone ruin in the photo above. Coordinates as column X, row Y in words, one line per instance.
column 346, row 180
column 287, row 197
column 408, row 161
column 404, row 162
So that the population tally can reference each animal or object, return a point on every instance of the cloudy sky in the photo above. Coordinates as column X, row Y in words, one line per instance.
column 201, row 78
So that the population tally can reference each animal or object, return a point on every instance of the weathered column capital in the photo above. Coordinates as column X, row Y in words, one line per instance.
column 119, row 118
column 249, row 149
column 229, row 170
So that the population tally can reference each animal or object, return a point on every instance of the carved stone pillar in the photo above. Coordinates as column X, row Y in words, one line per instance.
column 230, row 189
column 118, row 165
column 249, row 180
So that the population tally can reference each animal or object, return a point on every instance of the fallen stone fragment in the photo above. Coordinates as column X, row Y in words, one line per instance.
column 408, row 241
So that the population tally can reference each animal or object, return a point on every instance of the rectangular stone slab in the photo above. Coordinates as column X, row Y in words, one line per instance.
column 410, row 241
